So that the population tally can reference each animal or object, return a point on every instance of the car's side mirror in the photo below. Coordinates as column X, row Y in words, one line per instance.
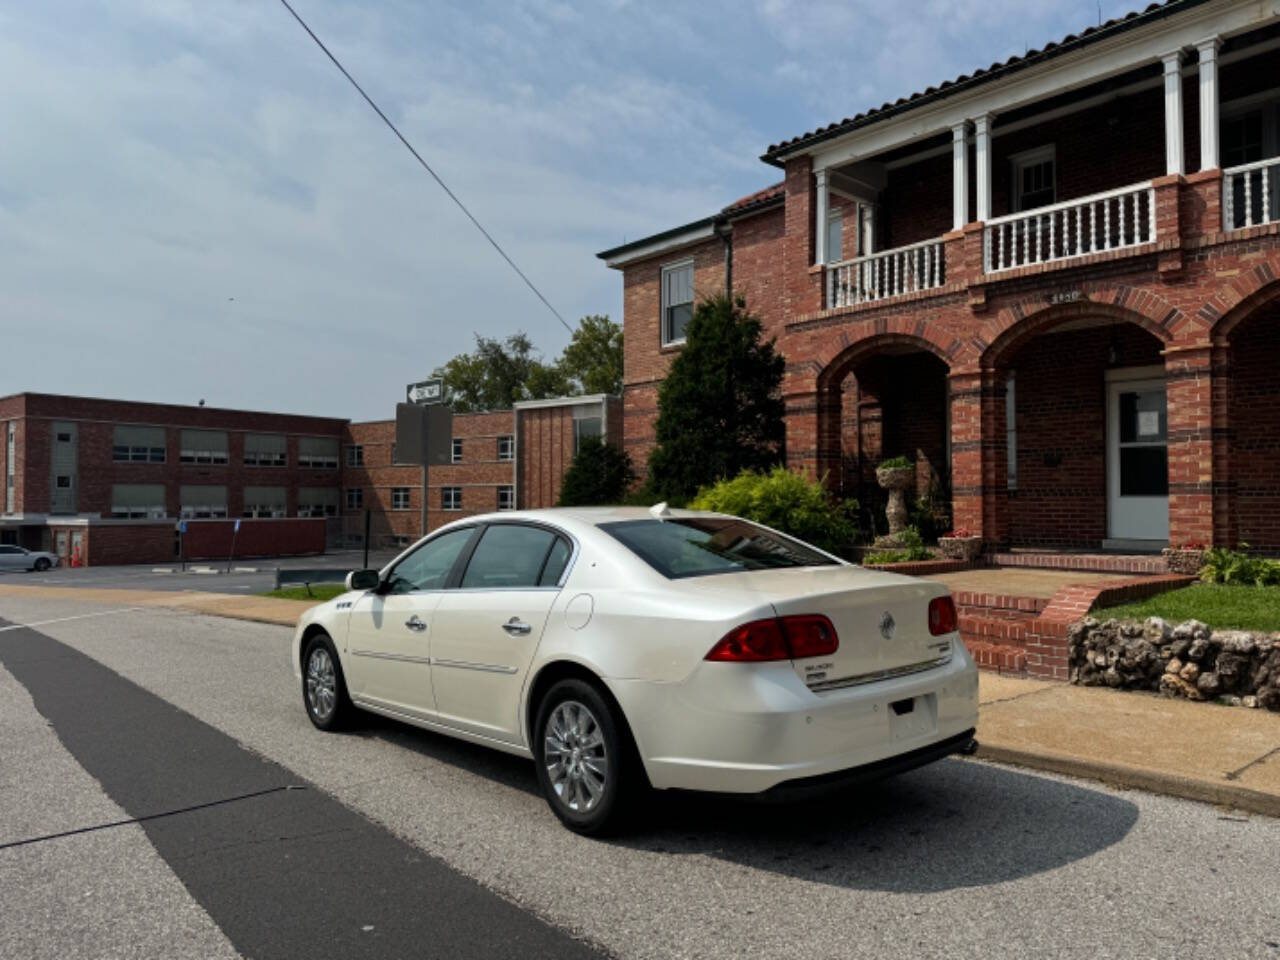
column 363, row 580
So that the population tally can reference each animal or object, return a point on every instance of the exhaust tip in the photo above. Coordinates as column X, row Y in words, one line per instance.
column 970, row 748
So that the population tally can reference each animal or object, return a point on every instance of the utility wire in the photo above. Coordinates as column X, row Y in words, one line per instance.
column 425, row 166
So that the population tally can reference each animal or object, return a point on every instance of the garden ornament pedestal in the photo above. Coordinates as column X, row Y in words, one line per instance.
column 896, row 480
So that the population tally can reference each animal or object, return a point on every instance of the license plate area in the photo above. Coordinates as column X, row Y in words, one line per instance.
column 913, row 716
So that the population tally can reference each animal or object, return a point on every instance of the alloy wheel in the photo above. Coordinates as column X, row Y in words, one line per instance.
column 322, row 684
column 575, row 756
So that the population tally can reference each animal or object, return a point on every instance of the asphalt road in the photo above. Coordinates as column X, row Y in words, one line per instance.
column 264, row 837
column 244, row 576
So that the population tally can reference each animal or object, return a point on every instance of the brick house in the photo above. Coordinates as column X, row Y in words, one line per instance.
column 107, row 480
column 1053, row 283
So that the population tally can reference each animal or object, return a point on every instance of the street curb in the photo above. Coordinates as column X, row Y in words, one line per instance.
column 1139, row 778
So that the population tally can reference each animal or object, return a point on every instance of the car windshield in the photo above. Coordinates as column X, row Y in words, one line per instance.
column 700, row 546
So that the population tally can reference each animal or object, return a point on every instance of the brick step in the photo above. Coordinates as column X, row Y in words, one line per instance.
column 997, row 656
column 1142, row 563
column 1008, row 630
column 992, row 602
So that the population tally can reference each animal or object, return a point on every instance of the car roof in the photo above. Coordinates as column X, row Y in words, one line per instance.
column 593, row 516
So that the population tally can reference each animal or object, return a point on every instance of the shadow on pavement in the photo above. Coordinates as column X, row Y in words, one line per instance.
column 953, row 824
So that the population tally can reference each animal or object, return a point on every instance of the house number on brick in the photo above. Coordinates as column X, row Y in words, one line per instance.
column 1066, row 296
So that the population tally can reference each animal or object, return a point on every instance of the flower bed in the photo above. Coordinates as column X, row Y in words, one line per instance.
column 1188, row 660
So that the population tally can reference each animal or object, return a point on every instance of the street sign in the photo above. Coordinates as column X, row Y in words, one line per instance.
column 237, row 529
column 182, row 526
column 424, row 434
column 425, row 391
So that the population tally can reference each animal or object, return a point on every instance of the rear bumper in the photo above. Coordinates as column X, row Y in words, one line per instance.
column 739, row 728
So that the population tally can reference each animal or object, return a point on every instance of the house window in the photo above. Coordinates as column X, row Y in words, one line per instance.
column 1242, row 138
column 355, row 455
column 399, row 498
column 317, row 502
column 203, row 446
column 1011, row 434
column 1034, row 179
column 450, row 498
column 265, row 450
column 355, row 498
column 137, row 501
column 835, row 235
column 318, row 453
column 457, row 450
column 677, row 301
column 131, row 444
column 506, row 448
column 587, row 424
column 506, row 498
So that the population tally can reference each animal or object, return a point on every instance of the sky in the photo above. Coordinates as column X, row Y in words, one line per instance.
column 194, row 204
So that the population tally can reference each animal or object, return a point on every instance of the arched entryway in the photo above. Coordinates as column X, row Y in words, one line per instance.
column 1076, row 433
column 886, row 397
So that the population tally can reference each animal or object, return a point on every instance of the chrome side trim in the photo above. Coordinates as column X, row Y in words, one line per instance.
column 464, row 665
column 519, row 749
column 878, row 675
column 377, row 655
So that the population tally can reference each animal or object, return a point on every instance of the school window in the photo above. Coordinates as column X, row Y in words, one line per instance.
column 355, row 455
column 1034, row 182
column 199, row 502
column 317, row 502
column 137, row 501
column 457, row 450
column 399, row 498
column 131, row 444
column 264, row 502
column 506, row 448
column 450, row 498
column 203, row 446
column 506, row 498
column 587, row 424
column 264, row 450
column 677, row 301
column 318, row 453
column 355, row 498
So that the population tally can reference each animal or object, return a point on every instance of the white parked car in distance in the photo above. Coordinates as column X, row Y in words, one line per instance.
column 624, row 648
column 20, row 558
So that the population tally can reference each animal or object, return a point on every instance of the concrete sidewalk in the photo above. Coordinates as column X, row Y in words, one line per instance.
column 1200, row 751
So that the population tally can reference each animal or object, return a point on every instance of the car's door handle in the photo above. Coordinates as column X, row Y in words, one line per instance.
column 413, row 623
column 517, row 627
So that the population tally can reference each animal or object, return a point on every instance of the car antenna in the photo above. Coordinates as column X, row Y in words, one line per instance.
column 660, row 511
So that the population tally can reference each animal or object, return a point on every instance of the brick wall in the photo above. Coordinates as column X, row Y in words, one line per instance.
column 281, row 537
column 1255, row 429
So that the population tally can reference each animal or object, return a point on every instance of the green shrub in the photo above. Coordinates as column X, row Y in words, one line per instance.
column 786, row 501
column 893, row 463
column 1237, row 567
column 912, row 549
column 931, row 512
column 600, row 473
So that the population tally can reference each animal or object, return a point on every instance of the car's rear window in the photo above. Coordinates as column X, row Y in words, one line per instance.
column 700, row 546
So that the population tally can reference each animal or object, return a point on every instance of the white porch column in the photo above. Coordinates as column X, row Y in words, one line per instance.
column 1209, row 102
column 982, row 157
column 820, row 219
column 960, row 175
column 1173, row 153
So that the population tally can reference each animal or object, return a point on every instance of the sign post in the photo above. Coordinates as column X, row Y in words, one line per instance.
column 424, row 432
column 235, row 532
column 182, row 552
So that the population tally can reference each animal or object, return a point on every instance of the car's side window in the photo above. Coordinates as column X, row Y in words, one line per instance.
column 428, row 567
column 508, row 555
column 557, row 560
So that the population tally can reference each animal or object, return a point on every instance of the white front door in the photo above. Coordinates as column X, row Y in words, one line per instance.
column 1137, row 459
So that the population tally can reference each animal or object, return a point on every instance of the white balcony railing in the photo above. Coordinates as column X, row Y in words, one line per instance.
column 1105, row 221
column 1251, row 194
column 890, row 273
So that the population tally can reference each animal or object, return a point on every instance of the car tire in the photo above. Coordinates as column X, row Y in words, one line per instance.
column 587, row 763
column 41, row 564
column 324, row 688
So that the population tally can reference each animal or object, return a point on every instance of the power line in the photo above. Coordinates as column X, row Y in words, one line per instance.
column 426, row 166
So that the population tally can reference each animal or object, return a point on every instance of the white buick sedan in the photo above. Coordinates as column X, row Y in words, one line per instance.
column 625, row 649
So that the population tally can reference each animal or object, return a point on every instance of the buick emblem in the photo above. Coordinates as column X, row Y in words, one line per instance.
column 887, row 626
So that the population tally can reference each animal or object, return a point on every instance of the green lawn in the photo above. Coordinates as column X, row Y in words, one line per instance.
column 1240, row 608
column 319, row 592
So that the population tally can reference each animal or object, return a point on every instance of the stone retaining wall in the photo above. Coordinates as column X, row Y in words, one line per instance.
column 1187, row 660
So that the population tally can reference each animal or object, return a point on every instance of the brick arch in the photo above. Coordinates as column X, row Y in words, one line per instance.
column 1021, row 321
column 839, row 359
column 1238, row 300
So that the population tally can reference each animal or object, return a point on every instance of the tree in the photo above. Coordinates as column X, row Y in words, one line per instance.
column 719, row 409
column 498, row 373
column 593, row 358
column 600, row 473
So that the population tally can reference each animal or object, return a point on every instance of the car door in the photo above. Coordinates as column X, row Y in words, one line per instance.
column 389, row 632
column 12, row 558
column 485, row 632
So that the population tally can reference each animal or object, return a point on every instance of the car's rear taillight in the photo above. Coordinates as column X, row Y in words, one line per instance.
column 942, row 616
column 777, row 638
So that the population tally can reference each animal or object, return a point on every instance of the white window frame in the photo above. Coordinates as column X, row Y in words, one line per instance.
column 455, row 450
column 835, row 234
column 506, row 448
column 668, row 269
column 400, row 498
column 1030, row 158
column 451, row 498
column 354, row 455
column 506, row 492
